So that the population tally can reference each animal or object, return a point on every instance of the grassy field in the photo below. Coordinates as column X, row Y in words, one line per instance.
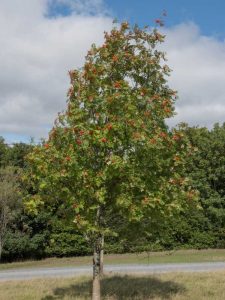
column 182, row 286
column 142, row 258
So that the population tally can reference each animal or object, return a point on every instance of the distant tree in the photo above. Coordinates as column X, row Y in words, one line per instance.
column 3, row 152
column 111, row 154
column 207, row 169
column 16, row 155
column 9, row 189
column 13, row 155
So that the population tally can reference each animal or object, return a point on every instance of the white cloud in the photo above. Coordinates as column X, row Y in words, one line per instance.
column 35, row 55
column 36, row 52
column 198, row 64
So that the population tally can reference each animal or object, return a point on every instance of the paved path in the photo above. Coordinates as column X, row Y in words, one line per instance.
column 30, row 273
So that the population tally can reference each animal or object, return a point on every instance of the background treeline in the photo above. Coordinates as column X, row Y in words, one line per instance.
column 49, row 233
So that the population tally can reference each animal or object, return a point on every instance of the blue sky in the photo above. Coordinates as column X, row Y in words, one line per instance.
column 208, row 14
column 42, row 39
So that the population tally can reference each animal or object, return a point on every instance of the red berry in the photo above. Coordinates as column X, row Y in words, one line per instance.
column 117, row 84
column 176, row 137
column 115, row 58
column 152, row 141
column 81, row 132
column 109, row 126
column 162, row 134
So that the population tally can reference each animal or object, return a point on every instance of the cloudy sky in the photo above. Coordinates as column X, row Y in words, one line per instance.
column 42, row 39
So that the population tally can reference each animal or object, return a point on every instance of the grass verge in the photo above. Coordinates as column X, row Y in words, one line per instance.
column 182, row 286
column 210, row 255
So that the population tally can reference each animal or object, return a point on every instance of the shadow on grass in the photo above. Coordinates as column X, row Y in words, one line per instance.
column 121, row 288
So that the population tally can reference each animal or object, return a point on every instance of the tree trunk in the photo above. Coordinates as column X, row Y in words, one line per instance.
column 102, row 256
column 0, row 248
column 96, row 291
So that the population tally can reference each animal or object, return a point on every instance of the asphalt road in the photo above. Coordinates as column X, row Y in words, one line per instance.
column 23, row 274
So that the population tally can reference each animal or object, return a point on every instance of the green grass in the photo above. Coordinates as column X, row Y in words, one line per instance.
column 142, row 258
column 174, row 286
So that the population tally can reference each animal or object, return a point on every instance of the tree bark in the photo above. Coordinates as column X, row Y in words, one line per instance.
column 96, row 288
column 0, row 248
column 102, row 256
column 97, row 259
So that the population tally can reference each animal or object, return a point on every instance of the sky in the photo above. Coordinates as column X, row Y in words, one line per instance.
column 42, row 39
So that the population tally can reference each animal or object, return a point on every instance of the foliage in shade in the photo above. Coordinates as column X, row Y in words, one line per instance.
column 9, row 195
column 207, row 169
column 204, row 228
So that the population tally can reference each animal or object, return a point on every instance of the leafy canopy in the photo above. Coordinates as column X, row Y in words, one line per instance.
column 111, row 151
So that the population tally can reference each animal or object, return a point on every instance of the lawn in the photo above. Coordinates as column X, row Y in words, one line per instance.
column 179, row 256
column 182, row 286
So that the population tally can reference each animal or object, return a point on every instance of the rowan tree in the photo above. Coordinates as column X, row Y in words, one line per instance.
column 111, row 153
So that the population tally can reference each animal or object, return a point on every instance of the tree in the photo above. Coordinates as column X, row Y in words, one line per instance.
column 8, row 199
column 204, row 228
column 17, row 153
column 3, row 151
column 206, row 168
column 110, row 154
column 27, row 236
